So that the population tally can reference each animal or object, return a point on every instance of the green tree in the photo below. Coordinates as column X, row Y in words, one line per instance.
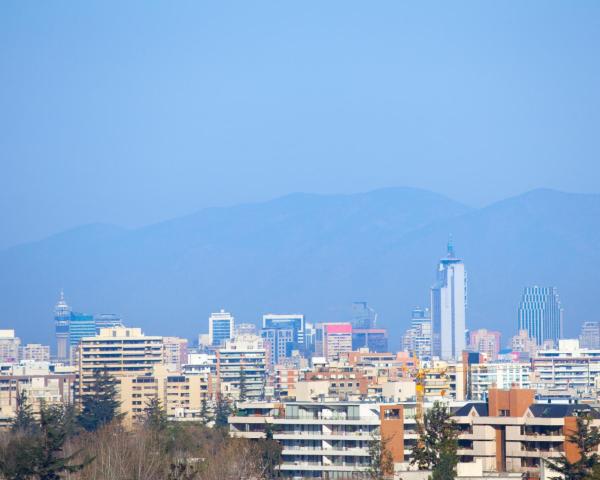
column 446, row 466
column 40, row 454
column 222, row 411
column 100, row 405
column 243, row 387
column 205, row 416
column 24, row 420
column 437, row 443
column 382, row 462
column 56, row 426
column 586, row 438
column 156, row 417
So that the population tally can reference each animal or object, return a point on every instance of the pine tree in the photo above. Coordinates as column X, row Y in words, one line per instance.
column 382, row 462
column 39, row 454
column 437, row 438
column 24, row 421
column 100, row 405
column 243, row 388
column 55, row 427
column 586, row 438
column 222, row 411
column 205, row 416
column 156, row 417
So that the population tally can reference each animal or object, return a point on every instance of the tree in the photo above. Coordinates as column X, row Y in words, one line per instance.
column 24, row 421
column 100, row 405
column 437, row 443
column 156, row 417
column 55, row 427
column 382, row 462
column 222, row 411
column 243, row 388
column 446, row 466
column 40, row 454
column 586, row 440
column 205, row 416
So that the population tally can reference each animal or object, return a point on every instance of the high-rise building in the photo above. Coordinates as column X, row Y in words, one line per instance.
column 541, row 314
column 590, row 335
column 221, row 327
column 9, row 346
column 80, row 325
column 375, row 339
column 486, row 342
column 279, row 343
column 363, row 316
column 245, row 329
column 448, row 307
column 524, row 345
column 121, row 351
column 107, row 320
column 333, row 339
column 242, row 361
column 176, row 352
column 417, row 339
column 310, row 336
column 35, row 352
column 62, row 318
column 295, row 321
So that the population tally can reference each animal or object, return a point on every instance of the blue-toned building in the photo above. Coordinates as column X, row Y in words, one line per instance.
column 294, row 321
column 541, row 314
column 80, row 325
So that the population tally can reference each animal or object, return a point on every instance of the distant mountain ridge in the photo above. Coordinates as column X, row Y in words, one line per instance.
column 313, row 254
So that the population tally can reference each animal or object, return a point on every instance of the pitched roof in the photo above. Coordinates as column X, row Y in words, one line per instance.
column 480, row 407
column 559, row 410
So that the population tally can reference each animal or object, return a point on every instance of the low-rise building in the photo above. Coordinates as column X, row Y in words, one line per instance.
column 329, row 439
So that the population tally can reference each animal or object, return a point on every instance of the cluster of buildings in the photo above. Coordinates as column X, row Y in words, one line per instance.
column 330, row 388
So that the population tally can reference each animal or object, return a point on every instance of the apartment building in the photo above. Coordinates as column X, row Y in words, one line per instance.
column 38, row 383
column 506, row 435
column 176, row 352
column 333, row 340
column 502, row 375
column 511, row 433
column 35, row 352
column 121, row 351
column 568, row 367
column 180, row 395
column 329, row 439
column 242, row 359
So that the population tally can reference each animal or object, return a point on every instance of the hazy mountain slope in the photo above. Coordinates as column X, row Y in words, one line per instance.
column 313, row 254
column 295, row 252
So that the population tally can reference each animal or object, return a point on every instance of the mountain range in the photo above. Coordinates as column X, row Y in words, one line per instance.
column 313, row 254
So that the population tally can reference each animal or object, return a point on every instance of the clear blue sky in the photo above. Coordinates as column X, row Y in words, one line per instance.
column 133, row 112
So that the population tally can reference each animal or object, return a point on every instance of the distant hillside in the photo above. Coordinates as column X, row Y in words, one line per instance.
column 313, row 254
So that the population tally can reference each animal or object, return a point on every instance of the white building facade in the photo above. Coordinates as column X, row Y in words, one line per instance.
column 448, row 308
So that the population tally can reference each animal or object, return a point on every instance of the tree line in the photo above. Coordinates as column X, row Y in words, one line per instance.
column 89, row 442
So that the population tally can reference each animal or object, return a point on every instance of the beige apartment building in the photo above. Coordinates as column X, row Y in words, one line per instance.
column 180, row 395
column 123, row 352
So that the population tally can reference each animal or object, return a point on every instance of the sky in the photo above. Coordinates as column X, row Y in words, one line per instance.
column 133, row 112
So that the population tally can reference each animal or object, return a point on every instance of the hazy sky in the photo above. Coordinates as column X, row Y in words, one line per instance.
column 133, row 112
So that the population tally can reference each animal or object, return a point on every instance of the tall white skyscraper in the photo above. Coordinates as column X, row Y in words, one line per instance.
column 448, row 305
